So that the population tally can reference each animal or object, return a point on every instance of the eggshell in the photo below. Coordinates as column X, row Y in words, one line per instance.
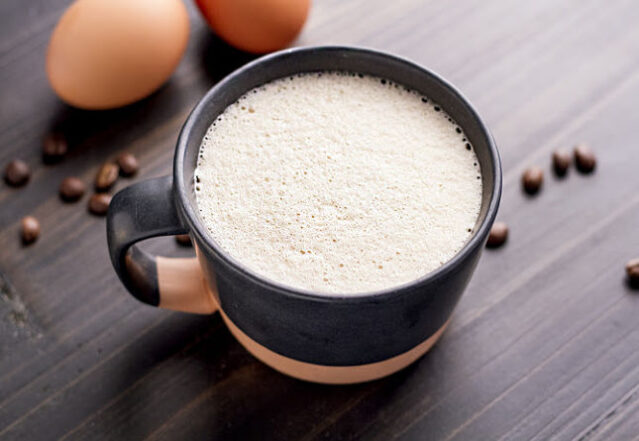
column 109, row 53
column 256, row 26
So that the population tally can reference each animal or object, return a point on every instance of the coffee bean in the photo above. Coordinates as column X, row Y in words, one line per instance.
column 585, row 159
column 71, row 189
column 99, row 203
column 30, row 229
column 560, row 162
column 106, row 177
column 498, row 235
column 632, row 269
column 54, row 148
column 184, row 240
column 17, row 173
column 532, row 179
column 128, row 164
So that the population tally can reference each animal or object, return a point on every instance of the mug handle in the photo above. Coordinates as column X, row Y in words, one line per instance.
column 141, row 211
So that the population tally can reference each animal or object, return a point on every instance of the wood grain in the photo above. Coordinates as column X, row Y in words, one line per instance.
column 544, row 344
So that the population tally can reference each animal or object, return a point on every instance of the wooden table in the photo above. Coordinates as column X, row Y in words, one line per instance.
column 544, row 344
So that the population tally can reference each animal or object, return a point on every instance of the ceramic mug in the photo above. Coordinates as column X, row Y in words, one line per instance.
column 321, row 338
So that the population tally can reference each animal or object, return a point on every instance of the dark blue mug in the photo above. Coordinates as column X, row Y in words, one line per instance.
column 327, row 339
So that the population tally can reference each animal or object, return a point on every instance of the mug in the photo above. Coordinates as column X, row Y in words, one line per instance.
column 334, row 339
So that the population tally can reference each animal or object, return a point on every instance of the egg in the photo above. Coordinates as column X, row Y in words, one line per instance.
column 256, row 26
column 108, row 53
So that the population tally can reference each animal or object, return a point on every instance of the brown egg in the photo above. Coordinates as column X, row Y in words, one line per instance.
column 109, row 53
column 256, row 26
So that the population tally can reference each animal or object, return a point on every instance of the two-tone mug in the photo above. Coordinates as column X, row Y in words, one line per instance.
column 321, row 338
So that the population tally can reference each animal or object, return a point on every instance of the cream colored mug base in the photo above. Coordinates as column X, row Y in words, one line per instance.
column 183, row 288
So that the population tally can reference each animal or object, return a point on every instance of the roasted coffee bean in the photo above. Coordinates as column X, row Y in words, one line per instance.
column 532, row 179
column 184, row 240
column 72, row 189
column 560, row 162
column 128, row 164
column 106, row 177
column 30, row 229
column 498, row 235
column 99, row 203
column 17, row 173
column 585, row 159
column 632, row 269
column 54, row 148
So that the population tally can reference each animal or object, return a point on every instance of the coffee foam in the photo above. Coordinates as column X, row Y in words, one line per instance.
column 338, row 183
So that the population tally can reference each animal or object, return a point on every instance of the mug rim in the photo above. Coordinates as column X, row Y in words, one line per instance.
column 197, row 228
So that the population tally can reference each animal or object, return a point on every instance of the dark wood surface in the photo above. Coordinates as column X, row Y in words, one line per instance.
column 544, row 344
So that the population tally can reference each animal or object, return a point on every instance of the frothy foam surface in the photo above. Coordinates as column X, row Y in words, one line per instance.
column 338, row 183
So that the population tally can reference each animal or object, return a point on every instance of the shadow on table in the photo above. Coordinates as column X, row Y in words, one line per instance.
column 190, row 379
column 218, row 58
column 632, row 285
column 87, row 130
